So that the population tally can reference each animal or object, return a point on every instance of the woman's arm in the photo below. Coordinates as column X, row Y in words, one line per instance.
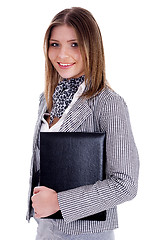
column 122, row 167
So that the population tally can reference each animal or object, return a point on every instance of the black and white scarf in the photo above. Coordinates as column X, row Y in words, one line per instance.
column 63, row 96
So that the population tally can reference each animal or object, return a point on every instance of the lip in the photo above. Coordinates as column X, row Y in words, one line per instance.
column 65, row 65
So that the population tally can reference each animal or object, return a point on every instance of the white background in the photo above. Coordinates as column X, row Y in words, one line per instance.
column 131, row 35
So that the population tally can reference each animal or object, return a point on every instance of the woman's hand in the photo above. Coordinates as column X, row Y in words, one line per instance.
column 44, row 201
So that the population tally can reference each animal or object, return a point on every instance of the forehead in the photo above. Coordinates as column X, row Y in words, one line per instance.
column 62, row 33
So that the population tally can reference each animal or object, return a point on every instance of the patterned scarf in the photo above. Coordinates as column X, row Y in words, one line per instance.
column 63, row 96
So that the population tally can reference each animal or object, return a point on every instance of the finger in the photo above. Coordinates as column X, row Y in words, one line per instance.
column 33, row 206
column 37, row 190
column 33, row 198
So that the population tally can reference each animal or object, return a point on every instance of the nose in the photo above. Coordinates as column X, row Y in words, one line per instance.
column 63, row 53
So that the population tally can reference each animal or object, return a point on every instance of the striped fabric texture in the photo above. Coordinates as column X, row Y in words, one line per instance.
column 105, row 112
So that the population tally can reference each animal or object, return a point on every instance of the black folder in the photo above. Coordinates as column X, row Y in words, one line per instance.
column 72, row 159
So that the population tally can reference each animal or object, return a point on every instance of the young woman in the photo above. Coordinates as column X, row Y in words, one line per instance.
column 77, row 98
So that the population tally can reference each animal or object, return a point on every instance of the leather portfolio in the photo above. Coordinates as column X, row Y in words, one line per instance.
column 72, row 159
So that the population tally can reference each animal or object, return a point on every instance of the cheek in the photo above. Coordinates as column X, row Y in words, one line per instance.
column 51, row 55
column 78, row 57
column 81, row 63
column 75, row 53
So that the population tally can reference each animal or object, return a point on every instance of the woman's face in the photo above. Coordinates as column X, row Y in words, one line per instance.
column 64, row 52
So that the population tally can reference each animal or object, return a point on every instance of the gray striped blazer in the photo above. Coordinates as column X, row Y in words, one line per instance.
column 105, row 112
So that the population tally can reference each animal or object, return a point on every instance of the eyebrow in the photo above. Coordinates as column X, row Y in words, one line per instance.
column 72, row 40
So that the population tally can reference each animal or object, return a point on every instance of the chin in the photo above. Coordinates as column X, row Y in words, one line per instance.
column 70, row 75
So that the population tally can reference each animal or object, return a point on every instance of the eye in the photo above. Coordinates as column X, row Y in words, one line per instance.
column 74, row 44
column 54, row 44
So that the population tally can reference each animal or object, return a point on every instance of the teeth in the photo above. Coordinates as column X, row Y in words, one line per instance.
column 65, row 64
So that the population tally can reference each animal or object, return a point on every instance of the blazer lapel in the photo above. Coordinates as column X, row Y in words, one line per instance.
column 76, row 116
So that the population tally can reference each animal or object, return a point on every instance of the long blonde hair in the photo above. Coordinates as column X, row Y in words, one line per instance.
column 91, row 47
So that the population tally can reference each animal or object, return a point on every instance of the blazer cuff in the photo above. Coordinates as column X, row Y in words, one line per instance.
column 79, row 203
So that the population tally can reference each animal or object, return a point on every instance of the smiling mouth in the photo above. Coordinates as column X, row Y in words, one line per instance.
column 65, row 65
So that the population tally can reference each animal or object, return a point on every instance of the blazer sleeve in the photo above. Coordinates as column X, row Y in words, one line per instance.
column 122, row 167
